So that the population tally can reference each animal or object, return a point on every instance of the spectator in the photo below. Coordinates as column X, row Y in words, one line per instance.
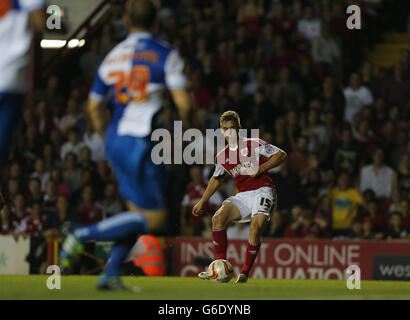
column 72, row 174
column 40, row 172
column 376, row 220
column 368, row 233
column 281, row 57
column 305, row 227
column 357, row 96
column 34, row 190
column 344, row 202
column 19, row 214
column 316, row 131
column 61, row 187
column 346, row 153
column 396, row 89
column 94, row 142
column 32, row 144
column 104, row 172
column 282, row 23
column 395, row 230
column 311, row 188
column 288, row 185
column 378, row 177
column 356, row 229
column 73, row 144
column 325, row 50
column 43, row 118
column 332, row 98
column 13, row 187
column 403, row 173
column 250, row 14
column 72, row 118
column 5, row 221
column 405, row 212
column 36, row 219
column 309, row 26
column 110, row 202
column 49, row 157
column 85, row 161
column 89, row 210
column 365, row 137
column 50, row 195
column 299, row 158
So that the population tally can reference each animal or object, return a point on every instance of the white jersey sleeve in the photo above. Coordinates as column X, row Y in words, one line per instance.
column 219, row 171
column 174, row 71
column 267, row 150
column 30, row 5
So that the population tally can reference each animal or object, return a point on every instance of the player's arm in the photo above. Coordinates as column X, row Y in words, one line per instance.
column 213, row 185
column 182, row 100
column 95, row 107
column 37, row 20
column 275, row 157
column 96, row 116
column 176, row 82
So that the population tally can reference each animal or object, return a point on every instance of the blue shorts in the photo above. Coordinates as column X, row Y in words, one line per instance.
column 139, row 179
column 10, row 109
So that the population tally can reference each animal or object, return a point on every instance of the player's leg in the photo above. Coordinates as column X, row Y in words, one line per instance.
column 225, row 215
column 263, row 202
column 10, row 108
column 258, row 225
column 122, row 229
column 140, row 183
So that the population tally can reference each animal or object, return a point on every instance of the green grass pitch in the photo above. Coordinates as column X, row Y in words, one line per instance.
column 174, row 288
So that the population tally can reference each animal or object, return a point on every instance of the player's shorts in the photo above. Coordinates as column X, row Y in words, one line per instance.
column 139, row 179
column 259, row 201
column 10, row 108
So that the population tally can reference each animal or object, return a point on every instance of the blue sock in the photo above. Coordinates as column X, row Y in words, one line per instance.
column 122, row 228
column 117, row 256
column 114, row 228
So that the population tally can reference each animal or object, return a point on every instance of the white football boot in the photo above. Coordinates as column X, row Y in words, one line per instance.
column 203, row 275
column 242, row 278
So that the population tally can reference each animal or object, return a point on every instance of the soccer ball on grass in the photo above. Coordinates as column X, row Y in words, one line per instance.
column 220, row 271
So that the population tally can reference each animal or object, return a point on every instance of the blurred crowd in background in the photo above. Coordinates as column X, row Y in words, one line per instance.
column 289, row 68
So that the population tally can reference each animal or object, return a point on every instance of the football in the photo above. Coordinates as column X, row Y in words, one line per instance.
column 220, row 271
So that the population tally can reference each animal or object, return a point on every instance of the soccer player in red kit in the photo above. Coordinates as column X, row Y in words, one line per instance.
column 257, row 194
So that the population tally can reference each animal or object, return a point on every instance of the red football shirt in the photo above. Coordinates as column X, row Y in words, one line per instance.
column 248, row 154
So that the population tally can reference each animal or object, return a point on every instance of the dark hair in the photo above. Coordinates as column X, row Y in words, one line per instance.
column 343, row 171
column 35, row 179
column 142, row 13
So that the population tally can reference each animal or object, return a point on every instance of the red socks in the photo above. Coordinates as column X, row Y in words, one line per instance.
column 251, row 253
column 219, row 240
